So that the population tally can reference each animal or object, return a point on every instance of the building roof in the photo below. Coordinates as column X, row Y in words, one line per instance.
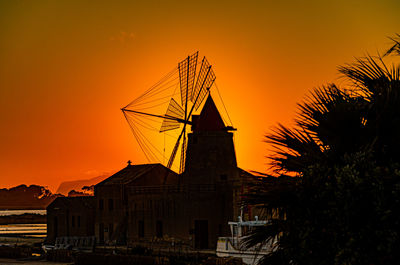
column 134, row 172
column 209, row 118
column 68, row 202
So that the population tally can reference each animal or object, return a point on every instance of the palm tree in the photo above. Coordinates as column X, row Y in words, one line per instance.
column 395, row 49
column 335, row 174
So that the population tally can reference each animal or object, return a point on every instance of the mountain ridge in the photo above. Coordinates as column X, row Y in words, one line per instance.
column 77, row 185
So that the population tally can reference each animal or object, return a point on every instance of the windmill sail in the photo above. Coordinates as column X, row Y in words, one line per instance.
column 183, row 155
column 187, row 74
column 174, row 111
column 194, row 87
column 205, row 79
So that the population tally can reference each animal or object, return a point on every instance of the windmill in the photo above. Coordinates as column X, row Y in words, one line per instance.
column 194, row 86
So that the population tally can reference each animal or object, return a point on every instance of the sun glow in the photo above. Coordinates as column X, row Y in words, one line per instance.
column 67, row 68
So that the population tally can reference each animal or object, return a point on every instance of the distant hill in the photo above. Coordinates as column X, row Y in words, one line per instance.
column 77, row 185
column 26, row 197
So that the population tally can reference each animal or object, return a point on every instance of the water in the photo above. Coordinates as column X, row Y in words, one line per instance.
column 22, row 230
column 34, row 230
column 19, row 212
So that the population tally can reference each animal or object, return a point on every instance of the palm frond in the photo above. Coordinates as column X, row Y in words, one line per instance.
column 307, row 200
column 262, row 235
column 395, row 49
column 272, row 194
column 278, row 257
column 294, row 149
column 367, row 74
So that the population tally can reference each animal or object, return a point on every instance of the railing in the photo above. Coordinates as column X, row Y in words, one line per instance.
column 75, row 242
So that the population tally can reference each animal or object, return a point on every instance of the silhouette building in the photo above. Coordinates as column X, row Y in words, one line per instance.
column 145, row 203
column 70, row 216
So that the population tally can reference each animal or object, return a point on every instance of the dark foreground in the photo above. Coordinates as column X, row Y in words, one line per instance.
column 33, row 254
column 30, row 262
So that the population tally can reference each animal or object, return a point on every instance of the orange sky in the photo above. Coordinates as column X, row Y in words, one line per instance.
column 67, row 67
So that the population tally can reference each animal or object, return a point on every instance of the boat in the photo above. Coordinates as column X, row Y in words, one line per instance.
column 233, row 246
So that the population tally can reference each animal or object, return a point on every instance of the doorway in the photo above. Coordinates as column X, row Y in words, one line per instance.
column 201, row 234
column 55, row 227
column 159, row 229
column 101, row 233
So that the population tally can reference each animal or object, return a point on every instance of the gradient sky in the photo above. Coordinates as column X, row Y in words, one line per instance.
column 67, row 67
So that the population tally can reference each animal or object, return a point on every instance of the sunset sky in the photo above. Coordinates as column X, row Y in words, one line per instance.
column 68, row 67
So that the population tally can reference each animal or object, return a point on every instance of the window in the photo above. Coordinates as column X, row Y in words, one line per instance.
column 55, row 226
column 79, row 221
column 101, row 204
column 157, row 207
column 141, row 228
column 159, row 229
column 110, row 230
column 110, row 204
column 168, row 206
column 73, row 221
column 224, row 177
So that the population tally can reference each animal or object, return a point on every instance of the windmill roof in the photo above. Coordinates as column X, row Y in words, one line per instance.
column 134, row 172
column 209, row 118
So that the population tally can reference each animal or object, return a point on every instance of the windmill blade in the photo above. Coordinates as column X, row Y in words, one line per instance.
column 174, row 151
column 147, row 147
column 205, row 80
column 183, row 154
column 173, row 111
column 187, row 74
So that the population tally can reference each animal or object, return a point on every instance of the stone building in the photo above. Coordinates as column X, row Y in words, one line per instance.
column 143, row 203
column 113, row 198
column 70, row 216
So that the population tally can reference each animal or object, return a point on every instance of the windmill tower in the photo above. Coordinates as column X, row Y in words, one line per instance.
column 210, row 153
column 194, row 88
